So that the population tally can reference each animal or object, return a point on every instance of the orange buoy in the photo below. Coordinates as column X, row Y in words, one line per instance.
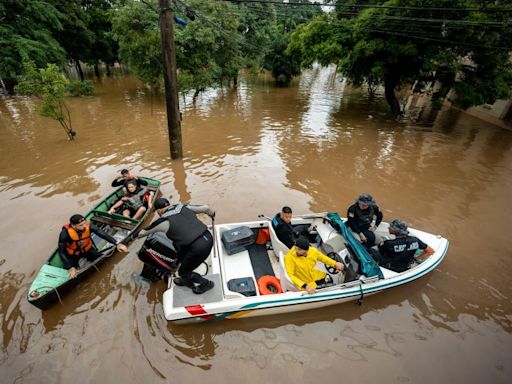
column 269, row 285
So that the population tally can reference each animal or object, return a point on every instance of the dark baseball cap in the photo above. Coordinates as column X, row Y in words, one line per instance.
column 76, row 219
column 161, row 202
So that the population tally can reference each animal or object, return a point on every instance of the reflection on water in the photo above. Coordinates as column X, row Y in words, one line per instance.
column 250, row 150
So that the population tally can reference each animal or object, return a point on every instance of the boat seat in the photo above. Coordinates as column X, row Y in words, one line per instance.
column 286, row 282
column 277, row 245
column 332, row 241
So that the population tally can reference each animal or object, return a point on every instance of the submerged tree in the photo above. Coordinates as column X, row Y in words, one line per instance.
column 49, row 85
column 463, row 46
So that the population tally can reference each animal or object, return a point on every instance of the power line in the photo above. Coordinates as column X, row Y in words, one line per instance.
column 449, row 42
column 406, row 18
column 417, row 20
column 417, row 26
column 379, row 6
column 421, row 34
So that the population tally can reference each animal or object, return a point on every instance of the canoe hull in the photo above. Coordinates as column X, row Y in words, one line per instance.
column 52, row 281
column 50, row 298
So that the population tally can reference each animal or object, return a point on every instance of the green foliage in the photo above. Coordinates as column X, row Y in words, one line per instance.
column 75, row 36
column 135, row 28
column 50, row 85
column 27, row 31
column 103, row 46
column 51, row 31
column 80, row 88
column 282, row 64
column 208, row 48
column 211, row 49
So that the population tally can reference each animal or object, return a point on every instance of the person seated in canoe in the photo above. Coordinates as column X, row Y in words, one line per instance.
column 136, row 201
column 300, row 264
column 125, row 177
column 76, row 245
column 190, row 237
column 360, row 218
column 285, row 231
column 397, row 254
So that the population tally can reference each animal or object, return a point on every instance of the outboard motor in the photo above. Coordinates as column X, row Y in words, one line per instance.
column 159, row 257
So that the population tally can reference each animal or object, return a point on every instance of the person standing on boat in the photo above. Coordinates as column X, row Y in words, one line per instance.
column 397, row 254
column 125, row 177
column 76, row 245
column 136, row 201
column 300, row 264
column 360, row 218
column 285, row 231
column 189, row 235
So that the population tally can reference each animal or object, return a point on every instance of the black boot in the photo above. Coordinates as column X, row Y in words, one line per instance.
column 182, row 282
column 203, row 287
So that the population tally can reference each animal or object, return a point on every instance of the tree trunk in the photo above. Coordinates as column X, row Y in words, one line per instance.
column 390, row 83
column 97, row 71
column 9, row 86
column 79, row 70
column 108, row 70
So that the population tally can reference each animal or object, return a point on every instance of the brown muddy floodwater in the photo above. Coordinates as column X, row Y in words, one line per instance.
column 248, row 151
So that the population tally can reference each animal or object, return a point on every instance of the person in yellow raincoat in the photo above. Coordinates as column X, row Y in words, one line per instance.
column 300, row 264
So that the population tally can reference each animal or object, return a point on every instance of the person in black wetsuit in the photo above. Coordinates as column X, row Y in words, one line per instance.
column 398, row 253
column 360, row 218
column 189, row 235
column 75, row 243
column 125, row 177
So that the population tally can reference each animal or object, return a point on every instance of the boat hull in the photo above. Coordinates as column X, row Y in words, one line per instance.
column 232, row 307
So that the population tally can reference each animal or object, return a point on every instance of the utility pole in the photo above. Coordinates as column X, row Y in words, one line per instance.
column 170, row 78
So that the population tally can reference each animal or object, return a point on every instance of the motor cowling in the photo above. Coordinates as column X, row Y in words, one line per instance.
column 159, row 256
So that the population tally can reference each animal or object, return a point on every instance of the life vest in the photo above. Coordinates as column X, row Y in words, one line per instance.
column 79, row 243
column 137, row 199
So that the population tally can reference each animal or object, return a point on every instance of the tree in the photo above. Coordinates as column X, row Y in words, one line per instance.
column 48, row 84
column 282, row 63
column 208, row 48
column 135, row 28
column 257, row 25
column 75, row 36
column 103, row 47
column 464, row 45
column 26, row 34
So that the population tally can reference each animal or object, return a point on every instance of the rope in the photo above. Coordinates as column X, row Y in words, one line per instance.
column 360, row 300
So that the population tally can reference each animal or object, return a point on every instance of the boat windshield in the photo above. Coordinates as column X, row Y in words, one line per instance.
column 368, row 265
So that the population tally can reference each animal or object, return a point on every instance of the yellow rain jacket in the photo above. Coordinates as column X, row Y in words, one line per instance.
column 301, row 269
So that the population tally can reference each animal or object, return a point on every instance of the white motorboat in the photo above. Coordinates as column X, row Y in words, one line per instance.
column 236, row 272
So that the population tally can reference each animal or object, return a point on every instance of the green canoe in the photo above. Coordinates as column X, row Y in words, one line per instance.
column 52, row 281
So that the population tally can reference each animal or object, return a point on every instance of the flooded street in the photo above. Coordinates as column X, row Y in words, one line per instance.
column 248, row 151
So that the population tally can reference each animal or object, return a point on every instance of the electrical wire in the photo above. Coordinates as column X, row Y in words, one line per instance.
column 423, row 20
column 378, row 6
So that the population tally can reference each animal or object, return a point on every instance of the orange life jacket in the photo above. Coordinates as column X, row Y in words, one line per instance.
column 79, row 243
